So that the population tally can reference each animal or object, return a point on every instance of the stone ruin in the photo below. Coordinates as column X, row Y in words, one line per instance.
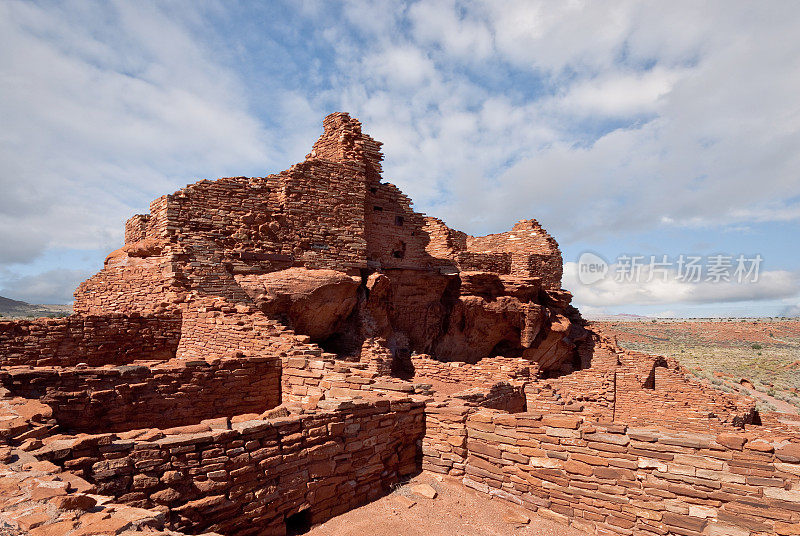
column 266, row 353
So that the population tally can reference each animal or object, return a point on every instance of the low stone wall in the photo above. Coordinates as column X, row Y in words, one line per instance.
column 444, row 447
column 487, row 371
column 615, row 480
column 94, row 340
column 215, row 328
column 173, row 393
column 310, row 378
column 250, row 478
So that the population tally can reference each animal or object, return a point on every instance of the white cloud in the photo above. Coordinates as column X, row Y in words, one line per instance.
column 666, row 288
column 408, row 67
column 106, row 107
column 459, row 33
column 52, row 286
column 634, row 116
column 619, row 94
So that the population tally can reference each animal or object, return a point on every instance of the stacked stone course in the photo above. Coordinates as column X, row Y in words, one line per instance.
column 611, row 479
column 167, row 394
column 100, row 339
column 249, row 477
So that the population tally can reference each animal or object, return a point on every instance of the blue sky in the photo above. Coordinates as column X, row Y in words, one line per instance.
column 624, row 127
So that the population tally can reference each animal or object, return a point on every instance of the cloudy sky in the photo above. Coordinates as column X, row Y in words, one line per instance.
column 627, row 128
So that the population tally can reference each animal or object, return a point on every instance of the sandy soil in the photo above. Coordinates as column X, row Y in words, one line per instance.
column 757, row 357
column 456, row 511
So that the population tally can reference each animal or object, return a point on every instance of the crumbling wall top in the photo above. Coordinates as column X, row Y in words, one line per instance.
column 343, row 141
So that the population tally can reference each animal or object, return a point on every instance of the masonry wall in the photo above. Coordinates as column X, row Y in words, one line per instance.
column 248, row 479
column 312, row 212
column 396, row 236
column 615, row 480
column 136, row 228
column 174, row 393
column 443, row 242
column 534, row 253
column 128, row 285
column 444, row 447
column 487, row 371
column 215, row 328
column 547, row 267
column 94, row 340
column 311, row 215
column 309, row 378
column 499, row 263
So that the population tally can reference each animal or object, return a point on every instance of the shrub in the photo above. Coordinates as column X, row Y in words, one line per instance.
column 756, row 346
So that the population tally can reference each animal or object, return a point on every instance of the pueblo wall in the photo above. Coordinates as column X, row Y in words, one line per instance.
column 206, row 233
column 210, row 350
column 168, row 394
column 251, row 477
column 527, row 251
column 129, row 285
column 611, row 479
column 534, row 253
column 95, row 340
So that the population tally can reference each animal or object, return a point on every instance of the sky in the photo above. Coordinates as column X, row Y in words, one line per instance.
column 628, row 129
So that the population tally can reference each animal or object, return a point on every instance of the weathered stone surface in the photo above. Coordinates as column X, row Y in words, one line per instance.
column 315, row 302
column 424, row 490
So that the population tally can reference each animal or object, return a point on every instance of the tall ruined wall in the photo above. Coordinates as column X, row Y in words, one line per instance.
column 215, row 328
column 343, row 141
column 242, row 238
column 136, row 228
column 527, row 251
column 311, row 215
column 129, row 285
column 396, row 235
column 331, row 211
column 443, row 242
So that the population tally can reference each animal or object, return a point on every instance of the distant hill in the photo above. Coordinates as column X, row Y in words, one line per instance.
column 19, row 309
column 8, row 303
column 610, row 317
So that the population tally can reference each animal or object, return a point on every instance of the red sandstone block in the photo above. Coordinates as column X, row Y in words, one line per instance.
column 789, row 453
column 760, row 445
column 572, row 466
column 732, row 441
column 561, row 421
column 682, row 521
column 590, row 459
column 613, row 473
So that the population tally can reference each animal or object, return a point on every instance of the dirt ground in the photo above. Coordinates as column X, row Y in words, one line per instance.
column 757, row 357
column 456, row 511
